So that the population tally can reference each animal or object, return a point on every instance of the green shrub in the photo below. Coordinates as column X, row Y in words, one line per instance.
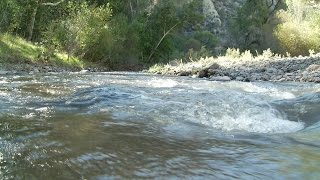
column 81, row 31
column 300, row 28
column 292, row 40
column 206, row 38
column 192, row 44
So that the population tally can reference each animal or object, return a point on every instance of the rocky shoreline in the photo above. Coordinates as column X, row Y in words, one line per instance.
column 297, row 69
column 32, row 68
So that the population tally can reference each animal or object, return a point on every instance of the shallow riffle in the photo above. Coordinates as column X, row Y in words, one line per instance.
column 135, row 125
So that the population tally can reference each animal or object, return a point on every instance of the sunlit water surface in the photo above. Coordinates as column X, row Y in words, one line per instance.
column 129, row 125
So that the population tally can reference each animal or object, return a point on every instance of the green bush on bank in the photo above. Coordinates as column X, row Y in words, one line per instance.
column 299, row 30
column 80, row 33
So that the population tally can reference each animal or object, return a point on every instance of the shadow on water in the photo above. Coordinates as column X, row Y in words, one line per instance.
column 305, row 108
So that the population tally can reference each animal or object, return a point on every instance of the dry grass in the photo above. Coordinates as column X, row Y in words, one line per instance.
column 231, row 58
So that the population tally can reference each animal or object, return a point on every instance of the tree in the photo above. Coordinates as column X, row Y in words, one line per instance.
column 165, row 20
column 299, row 30
column 79, row 33
column 36, row 4
column 247, row 26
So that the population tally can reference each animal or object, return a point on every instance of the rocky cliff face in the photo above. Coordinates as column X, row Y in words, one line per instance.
column 218, row 14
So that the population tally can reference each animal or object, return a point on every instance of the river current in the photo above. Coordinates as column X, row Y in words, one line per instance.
column 140, row 126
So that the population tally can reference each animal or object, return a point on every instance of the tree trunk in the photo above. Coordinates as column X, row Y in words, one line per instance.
column 4, row 16
column 32, row 21
column 131, row 10
column 34, row 14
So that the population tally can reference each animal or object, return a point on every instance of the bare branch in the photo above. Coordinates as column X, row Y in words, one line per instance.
column 162, row 38
column 52, row 4
column 275, row 8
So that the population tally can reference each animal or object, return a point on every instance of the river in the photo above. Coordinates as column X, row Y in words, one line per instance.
column 140, row 126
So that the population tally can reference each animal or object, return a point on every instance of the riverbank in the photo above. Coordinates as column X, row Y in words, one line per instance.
column 35, row 68
column 20, row 56
column 247, row 68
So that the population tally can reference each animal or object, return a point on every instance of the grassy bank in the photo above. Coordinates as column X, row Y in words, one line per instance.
column 19, row 54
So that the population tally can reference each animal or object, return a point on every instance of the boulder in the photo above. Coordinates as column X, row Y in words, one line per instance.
column 294, row 67
column 316, row 79
column 203, row 73
column 313, row 68
column 83, row 71
column 184, row 73
column 239, row 78
column 271, row 70
column 213, row 71
column 214, row 66
column 36, row 70
column 265, row 77
column 282, row 79
column 285, row 69
column 4, row 72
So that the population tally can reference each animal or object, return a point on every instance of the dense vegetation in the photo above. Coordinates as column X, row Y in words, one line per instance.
column 134, row 33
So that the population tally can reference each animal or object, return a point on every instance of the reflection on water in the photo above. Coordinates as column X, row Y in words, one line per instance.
column 121, row 126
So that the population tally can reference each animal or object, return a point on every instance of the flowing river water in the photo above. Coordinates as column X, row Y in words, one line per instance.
column 139, row 126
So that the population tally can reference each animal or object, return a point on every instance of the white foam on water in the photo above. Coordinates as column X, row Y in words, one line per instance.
column 255, row 119
column 283, row 95
column 161, row 83
column 43, row 109
column 3, row 94
column 220, row 108
column 249, row 87
column 29, row 115
column 270, row 91
column 260, row 123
